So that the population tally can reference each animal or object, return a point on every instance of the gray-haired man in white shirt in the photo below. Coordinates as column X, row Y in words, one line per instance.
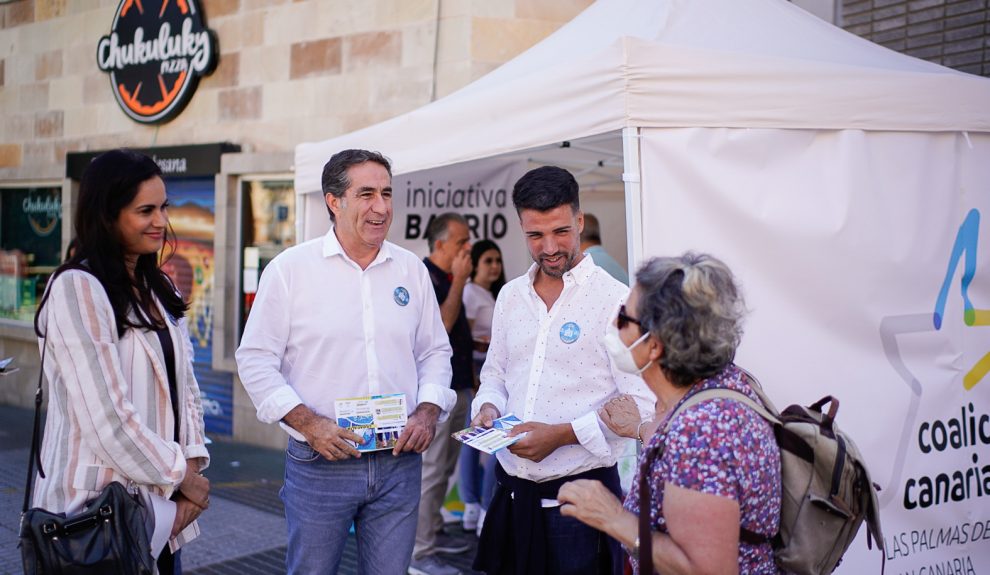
column 548, row 366
column 348, row 315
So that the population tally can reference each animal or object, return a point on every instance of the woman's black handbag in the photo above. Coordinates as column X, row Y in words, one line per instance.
column 108, row 536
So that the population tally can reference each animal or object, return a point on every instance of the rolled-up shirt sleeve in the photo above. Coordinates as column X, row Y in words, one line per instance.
column 259, row 357
column 591, row 436
column 432, row 350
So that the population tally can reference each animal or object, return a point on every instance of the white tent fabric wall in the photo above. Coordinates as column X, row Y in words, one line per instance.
column 832, row 174
column 842, row 241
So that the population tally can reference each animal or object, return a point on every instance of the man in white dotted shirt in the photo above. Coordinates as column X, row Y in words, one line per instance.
column 547, row 365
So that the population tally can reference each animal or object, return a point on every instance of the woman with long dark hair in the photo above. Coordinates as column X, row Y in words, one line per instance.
column 478, row 470
column 124, row 404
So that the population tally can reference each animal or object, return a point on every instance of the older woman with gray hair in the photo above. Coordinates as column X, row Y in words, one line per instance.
column 719, row 472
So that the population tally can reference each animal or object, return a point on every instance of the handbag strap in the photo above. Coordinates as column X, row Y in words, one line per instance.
column 645, row 534
column 35, row 458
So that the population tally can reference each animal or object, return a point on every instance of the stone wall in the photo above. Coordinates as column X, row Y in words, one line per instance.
column 289, row 72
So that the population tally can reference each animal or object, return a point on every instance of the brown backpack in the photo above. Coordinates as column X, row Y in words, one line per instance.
column 826, row 488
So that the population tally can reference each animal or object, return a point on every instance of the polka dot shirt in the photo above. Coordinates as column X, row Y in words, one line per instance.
column 551, row 366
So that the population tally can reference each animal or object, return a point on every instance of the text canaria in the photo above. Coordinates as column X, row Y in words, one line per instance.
column 960, row 485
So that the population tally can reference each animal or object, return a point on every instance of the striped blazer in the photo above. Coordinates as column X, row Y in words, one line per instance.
column 109, row 410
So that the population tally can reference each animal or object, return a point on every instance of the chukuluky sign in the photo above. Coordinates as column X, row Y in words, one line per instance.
column 155, row 54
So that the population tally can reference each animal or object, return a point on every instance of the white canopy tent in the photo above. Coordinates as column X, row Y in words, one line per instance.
column 830, row 173
column 633, row 64
column 676, row 63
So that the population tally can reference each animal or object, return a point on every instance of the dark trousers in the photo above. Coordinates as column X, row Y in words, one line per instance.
column 169, row 564
column 549, row 542
column 573, row 547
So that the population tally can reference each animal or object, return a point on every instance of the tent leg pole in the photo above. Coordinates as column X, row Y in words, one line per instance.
column 632, row 182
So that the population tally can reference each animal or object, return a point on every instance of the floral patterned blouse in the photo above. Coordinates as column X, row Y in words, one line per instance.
column 722, row 447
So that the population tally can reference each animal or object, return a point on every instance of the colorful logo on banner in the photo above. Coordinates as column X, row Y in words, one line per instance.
column 965, row 245
column 155, row 54
column 950, row 442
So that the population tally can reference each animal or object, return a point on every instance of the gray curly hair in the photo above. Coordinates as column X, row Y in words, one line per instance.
column 692, row 305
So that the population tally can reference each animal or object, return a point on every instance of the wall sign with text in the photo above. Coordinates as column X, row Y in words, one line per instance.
column 155, row 54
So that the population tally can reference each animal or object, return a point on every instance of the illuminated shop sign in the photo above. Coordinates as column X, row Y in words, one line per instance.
column 155, row 54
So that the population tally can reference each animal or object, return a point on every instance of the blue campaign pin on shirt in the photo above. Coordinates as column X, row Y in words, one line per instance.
column 570, row 332
column 401, row 296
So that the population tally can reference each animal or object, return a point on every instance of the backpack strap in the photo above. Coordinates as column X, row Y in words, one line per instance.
column 721, row 393
column 757, row 388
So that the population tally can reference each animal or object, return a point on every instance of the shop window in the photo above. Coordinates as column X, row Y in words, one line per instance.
column 192, row 214
column 30, row 246
column 268, row 226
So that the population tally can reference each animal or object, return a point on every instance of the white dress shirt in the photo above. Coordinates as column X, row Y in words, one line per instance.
column 551, row 366
column 323, row 329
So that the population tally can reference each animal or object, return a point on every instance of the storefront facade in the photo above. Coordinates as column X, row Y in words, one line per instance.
column 74, row 81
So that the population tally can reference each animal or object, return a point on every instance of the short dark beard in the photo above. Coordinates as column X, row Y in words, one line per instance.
column 568, row 266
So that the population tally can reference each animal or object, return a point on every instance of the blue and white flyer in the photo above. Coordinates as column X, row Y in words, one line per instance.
column 378, row 419
column 490, row 440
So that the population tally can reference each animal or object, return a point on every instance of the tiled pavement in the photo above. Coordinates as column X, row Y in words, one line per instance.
column 242, row 534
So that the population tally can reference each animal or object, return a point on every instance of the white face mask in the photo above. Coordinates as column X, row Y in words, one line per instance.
column 621, row 356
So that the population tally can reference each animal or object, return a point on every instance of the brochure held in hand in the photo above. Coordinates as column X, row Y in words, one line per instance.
column 490, row 440
column 378, row 419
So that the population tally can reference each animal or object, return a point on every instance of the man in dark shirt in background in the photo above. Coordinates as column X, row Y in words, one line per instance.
column 449, row 265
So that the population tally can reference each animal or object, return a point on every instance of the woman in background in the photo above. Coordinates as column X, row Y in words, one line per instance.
column 477, row 469
column 124, row 404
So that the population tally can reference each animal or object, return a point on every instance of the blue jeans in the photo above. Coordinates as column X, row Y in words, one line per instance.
column 379, row 493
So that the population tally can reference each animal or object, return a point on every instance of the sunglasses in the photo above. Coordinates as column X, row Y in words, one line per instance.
column 624, row 319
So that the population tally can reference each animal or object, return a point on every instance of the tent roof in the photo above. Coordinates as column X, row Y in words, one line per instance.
column 673, row 63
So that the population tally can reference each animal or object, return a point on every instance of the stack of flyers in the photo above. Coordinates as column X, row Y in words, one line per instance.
column 377, row 419
column 493, row 439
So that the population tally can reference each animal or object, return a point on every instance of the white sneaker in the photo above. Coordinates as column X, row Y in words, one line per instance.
column 470, row 517
column 481, row 521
